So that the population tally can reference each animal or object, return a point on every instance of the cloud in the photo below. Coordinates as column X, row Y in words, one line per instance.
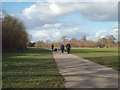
column 45, row 20
column 100, row 33
column 115, row 26
column 60, row 0
column 40, row 14
column 57, row 34
column 56, row 25
column 46, row 35
column 115, row 32
column 82, row 0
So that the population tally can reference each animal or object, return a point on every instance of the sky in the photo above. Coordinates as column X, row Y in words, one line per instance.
column 53, row 20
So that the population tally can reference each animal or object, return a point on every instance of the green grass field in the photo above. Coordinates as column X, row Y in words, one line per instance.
column 32, row 68
column 104, row 56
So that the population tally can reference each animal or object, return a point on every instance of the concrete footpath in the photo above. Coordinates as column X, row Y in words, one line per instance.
column 81, row 73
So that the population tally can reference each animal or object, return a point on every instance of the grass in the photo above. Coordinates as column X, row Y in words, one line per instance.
column 104, row 56
column 32, row 68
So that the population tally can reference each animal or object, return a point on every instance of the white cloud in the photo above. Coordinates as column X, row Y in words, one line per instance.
column 100, row 33
column 46, row 25
column 50, row 13
column 56, row 25
column 56, row 34
column 55, row 9
column 47, row 35
column 115, row 26
column 82, row 0
column 42, row 19
column 60, row 0
column 102, row 37
column 115, row 31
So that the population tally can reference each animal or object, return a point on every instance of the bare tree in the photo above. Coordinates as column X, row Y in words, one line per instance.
column 83, row 38
column 64, row 39
column 14, row 35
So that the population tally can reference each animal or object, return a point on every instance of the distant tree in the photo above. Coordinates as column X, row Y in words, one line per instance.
column 64, row 39
column 30, row 44
column 83, row 38
column 102, row 42
column 48, row 41
column 39, row 44
column 107, row 41
column 110, row 38
column 73, row 42
column 117, row 44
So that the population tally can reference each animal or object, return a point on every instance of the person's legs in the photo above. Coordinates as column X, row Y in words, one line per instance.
column 62, row 50
column 68, row 50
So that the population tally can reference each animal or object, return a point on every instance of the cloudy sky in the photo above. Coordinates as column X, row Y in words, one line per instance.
column 52, row 20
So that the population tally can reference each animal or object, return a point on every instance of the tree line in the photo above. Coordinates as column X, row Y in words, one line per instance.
column 105, row 42
column 14, row 35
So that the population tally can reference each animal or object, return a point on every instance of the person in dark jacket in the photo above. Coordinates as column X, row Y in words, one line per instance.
column 52, row 47
column 68, row 46
column 62, row 48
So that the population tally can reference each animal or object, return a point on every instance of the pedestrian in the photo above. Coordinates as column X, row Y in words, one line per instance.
column 52, row 47
column 68, row 46
column 62, row 48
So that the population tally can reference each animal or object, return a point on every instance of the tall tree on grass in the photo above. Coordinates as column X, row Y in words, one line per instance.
column 14, row 36
column 103, row 42
column 64, row 39
column 111, row 40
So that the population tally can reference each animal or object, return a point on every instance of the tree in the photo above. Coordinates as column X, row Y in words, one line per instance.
column 64, row 39
column 102, row 42
column 110, row 38
column 14, row 36
column 83, row 38
column 73, row 42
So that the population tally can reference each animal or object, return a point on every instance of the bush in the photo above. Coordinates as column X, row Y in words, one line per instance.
column 14, row 36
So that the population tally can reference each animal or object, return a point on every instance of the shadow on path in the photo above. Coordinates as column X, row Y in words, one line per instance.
column 81, row 73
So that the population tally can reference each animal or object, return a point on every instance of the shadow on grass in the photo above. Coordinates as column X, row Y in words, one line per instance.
column 34, row 64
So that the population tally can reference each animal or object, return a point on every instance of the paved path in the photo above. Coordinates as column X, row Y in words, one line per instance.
column 81, row 73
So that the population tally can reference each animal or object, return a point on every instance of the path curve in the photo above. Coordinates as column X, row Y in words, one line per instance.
column 81, row 73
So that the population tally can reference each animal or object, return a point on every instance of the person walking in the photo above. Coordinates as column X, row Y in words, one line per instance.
column 52, row 47
column 62, row 48
column 68, row 46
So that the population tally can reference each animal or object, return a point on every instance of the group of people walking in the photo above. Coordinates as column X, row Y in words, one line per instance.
column 62, row 47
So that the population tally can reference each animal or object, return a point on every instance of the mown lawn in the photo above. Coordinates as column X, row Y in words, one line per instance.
column 32, row 68
column 104, row 56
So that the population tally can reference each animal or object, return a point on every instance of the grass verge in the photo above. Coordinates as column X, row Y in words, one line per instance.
column 104, row 56
column 31, row 68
